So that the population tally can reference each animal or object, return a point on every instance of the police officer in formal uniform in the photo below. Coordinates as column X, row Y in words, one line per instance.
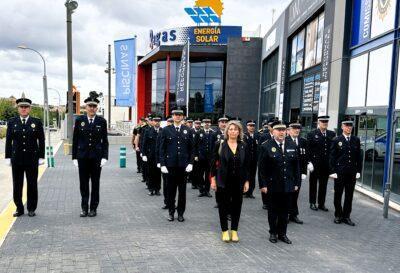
column 176, row 159
column 194, row 176
column 251, row 138
column 90, row 153
column 319, row 141
column 150, row 155
column 204, row 145
column 135, row 144
column 219, row 134
column 345, row 168
column 24, row 152
column 279, row 178
column 267, row 131
column 164, row 176
column 302, row 150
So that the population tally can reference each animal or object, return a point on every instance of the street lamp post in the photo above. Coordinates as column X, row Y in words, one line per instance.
column 46, row 116
column 59, row 105
column 71, row 6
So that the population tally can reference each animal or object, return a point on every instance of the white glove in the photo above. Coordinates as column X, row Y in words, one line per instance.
column 7, row 161
column 144, row 158
column 310, row 167
column 196, row 159
column 103, row 162
column 141, row 155
column 164, row 169
column 303, row 176
column 137, row 149
column 358, row 175
column 158, row 165
column 41, row 161
column 189, row 168
column 334, row 176
column 75, row 161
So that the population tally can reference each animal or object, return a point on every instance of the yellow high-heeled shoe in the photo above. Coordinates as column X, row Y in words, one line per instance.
column 235, row 237
column 225, row 236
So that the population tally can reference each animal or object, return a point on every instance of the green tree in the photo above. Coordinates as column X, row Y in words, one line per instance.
column 7, row 109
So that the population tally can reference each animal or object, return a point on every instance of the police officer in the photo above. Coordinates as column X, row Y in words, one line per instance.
column 267, row 131
column 251, row 138
column 24, row 152
column 204, row 145
column 90, row 153
column 319, row 141
column 150, row 155
column 135, row 144
column 164, row 176
column 219, row 134
column 195, row 174
column 302, row 150
column 176, row 158
column 279, row 178
column 345, row 168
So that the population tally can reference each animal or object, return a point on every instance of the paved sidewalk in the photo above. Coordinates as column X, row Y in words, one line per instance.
column 131, row 233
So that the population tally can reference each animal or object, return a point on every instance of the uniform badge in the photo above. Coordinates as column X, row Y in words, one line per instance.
column 82, row 123
column 15, row 125
column 201, row 135
column 218, row 136
column 316, row 136
column 340, row 143
column 33, row 125
column 273, row 149
column 185, row 131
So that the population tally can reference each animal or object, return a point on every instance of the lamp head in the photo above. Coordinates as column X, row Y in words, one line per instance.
column 71, row 5
column 22, row 47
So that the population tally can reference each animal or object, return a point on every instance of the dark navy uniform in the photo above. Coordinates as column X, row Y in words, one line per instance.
column 138, row 158
column 25, row 145
column 204, row 145
column 264, row 136
column 252, row 142
column 346, row 162
column 176, row 152
column 279, row 172
column 149, row 150
column 319, row 148
column 142, row 131
column 194, row 176
column 89, row 147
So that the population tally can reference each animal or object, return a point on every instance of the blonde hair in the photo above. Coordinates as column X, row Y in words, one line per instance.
column 238, row 125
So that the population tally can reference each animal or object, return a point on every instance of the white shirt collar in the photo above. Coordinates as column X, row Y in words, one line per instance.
column 349, row 136
column 93, row 118
column 277, row 142
column 26, row 119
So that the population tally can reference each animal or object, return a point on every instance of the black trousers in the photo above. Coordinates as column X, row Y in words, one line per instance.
column 252, row 178
column 320, row 177
column 278, row 212
column 294, row 208
column 89, row 170
column 176, row 182
column 204, row 168
column 138, row 161
column 154, row 177
column 229, row 202
column 346, row 183
column 264, row 198
column 195, row 174
column 145, row 172
column 165, row 188
column 31, row 173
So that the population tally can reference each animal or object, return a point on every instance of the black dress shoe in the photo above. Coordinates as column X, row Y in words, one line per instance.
column 273, row 238
column 337, row 220
column 252, row 196
column 83, row 213
column 180, row 218
column 216, row 206
column 208, row 194
column 157, row 193
column 348, row 221
column 284, row 239
column 31, row 214
column 18, row 213
column 296, row 220
column 165, row 207
column 323, row 208
column 313, row 207
column 193, row 187
column 92, row 213
column 265, row 207
column 151, row 193
column 202, row 194
column 170, row 217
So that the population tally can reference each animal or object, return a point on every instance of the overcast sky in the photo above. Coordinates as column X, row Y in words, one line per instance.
column 40, row 24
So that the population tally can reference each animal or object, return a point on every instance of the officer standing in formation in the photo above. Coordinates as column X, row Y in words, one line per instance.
column 302, row 150
column 176, row 159
column 90, row 153
column 319, row 142
column 345, row 168
column 279, row 177
column 150, row 155
column 24, row 152
column 219, row 134
column 141, row 133
column 135, row 144
column 251, row 138
column 204, row 145
column 194, row 176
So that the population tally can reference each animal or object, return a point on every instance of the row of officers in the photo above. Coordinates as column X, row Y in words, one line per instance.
column 227, row 159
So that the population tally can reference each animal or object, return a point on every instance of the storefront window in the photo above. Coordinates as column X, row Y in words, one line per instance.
column 311, row 44
column 321, row 23
column 297, row 57
column 358, row 81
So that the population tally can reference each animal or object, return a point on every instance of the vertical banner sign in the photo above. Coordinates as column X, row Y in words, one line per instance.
column 209, row 98
column 125, row 72
column 182, row 82
column 362, row 12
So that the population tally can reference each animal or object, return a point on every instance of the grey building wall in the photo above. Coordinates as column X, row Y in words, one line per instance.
column 243, row 78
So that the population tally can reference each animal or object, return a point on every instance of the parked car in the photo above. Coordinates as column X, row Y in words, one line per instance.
column 376, row 149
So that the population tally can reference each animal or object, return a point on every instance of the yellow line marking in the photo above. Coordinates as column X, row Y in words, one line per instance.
column 6, row 217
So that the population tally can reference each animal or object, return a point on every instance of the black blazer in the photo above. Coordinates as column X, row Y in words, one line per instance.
column 345, row 157
column 150, row 144
column 219, row 163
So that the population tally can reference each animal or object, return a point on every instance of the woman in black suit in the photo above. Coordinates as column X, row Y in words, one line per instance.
column 229, row 178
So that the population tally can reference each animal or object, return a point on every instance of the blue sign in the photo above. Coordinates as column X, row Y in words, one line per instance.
column 208, row 98
column 213, row 35
column 181, row 83
column 125, row 72
column 362, row 17
column 203, row 15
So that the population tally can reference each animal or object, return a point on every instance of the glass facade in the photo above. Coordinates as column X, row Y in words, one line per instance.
column 205, row 88
column 269, row 87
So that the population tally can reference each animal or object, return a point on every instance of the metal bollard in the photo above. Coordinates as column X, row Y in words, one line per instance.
column 50, row 157
column 122, row 157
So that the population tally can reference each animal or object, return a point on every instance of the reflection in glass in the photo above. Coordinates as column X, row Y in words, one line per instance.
column 311, row 44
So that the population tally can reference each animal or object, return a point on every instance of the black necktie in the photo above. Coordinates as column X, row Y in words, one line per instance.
column 177, row 129
column 90, row 121
column 324, row 134
column 348, row 139
column 23, row 121
column 280, row 146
